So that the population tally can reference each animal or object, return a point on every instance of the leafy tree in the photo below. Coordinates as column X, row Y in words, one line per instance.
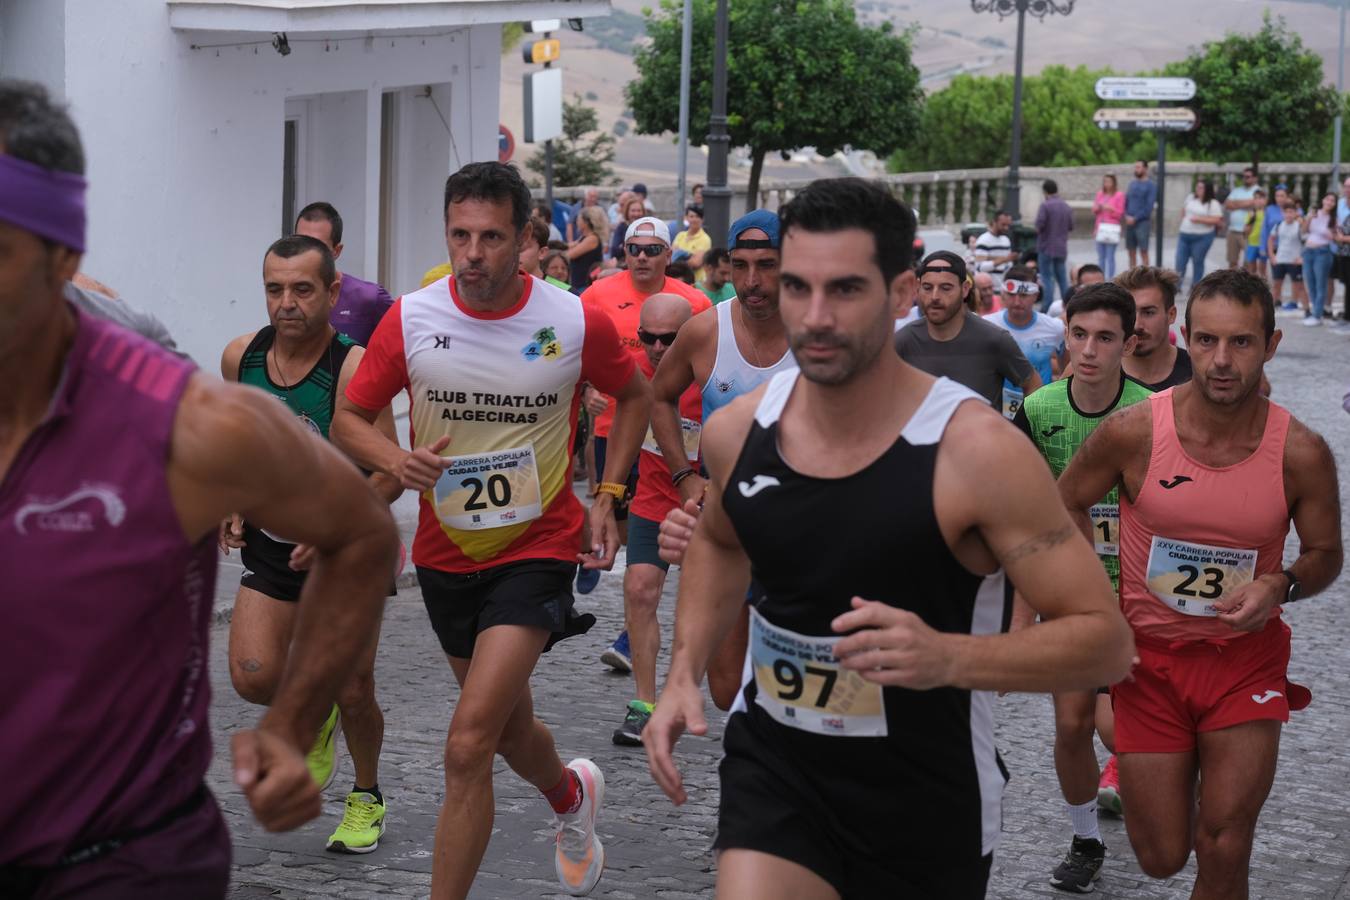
column 1258, row 96
column 579, row 156
column 800, row 73
column 512, row 32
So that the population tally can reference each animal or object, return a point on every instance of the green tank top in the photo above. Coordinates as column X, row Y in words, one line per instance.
column 313, row 397
column 1058, row 428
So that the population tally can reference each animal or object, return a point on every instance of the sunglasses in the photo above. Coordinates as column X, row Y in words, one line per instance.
column 648, row 338
column 651, row 250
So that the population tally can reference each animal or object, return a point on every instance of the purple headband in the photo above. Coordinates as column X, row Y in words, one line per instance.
column 46, row 203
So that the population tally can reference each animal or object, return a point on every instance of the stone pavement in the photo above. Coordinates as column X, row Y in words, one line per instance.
column 657, row 851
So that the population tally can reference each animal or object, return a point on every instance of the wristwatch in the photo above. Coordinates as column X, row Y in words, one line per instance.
column 1295, row 588
column 617, row 491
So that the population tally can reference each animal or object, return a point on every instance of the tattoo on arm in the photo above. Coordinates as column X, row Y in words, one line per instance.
column 1039, row 543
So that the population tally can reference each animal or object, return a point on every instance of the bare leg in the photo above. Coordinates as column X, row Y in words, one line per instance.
column 1160, row 808
column 728, row 664
column 751, row 875
column 260, row 638
column 642, row 584
column 1238, row 768
column 362, row 718
column 1075, row 757
column 1106, row 722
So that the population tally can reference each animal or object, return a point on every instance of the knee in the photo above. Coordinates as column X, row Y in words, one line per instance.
column 1073, row 726
column 254, row 680
column 358, row 693
column 1160, row 861
column 468, row 754
column 642, row 597
column 1224, row 844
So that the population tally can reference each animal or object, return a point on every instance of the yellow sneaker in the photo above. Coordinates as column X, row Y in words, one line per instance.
column 322, row 757
column 361, row 827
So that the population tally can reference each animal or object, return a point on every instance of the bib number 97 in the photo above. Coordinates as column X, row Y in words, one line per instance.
column 792, row 681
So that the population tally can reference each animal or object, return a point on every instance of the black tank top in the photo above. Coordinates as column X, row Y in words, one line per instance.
column 815, row 543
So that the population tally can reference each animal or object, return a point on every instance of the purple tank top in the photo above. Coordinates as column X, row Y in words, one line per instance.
column 106, row 607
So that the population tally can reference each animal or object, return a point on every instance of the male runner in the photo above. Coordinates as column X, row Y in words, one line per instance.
column 725, row 353
column 663, row 316
column 361, row 304
column 867, row 696
column 1155, row 361
column 1210, row 474
column 494, row 361
column 117, row 463
column 1058, row 418
column 955, row 343
column 1040, row 336
column 304, row 362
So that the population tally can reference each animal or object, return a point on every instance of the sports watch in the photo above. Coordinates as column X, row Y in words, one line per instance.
column 1295, row 591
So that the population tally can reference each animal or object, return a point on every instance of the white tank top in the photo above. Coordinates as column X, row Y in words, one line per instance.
column 731, row 375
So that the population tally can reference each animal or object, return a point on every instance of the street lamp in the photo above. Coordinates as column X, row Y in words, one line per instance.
column 1040, row 9
column 717, row 193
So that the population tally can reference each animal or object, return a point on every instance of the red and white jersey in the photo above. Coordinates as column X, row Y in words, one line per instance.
column 505, row 387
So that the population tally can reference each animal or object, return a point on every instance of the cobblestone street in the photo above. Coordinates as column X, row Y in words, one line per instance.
column 655, row 850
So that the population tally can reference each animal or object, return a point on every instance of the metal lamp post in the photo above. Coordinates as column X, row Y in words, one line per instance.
column 717, row 193
column 1003, row 8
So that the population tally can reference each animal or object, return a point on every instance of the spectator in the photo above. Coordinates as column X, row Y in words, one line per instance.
column 993, row 249
column 590, row 198
column 557, row 268
column 615, row 210
column 1274, row 215
column 1255, row 257
column 1342, row 238
column 1319, row 230
column 543, row 214
column 631, row 210
column 641, row 190
column 694, row 240
column 1201, row 215
column 696, row 194
column 717, row 280
column 1286, row 257
column 587, row 251
column 1239, row 203
column 1108, row 208
column 1140, row 198
column 1054, row 221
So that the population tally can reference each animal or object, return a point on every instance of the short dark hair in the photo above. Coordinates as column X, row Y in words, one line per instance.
column 323, row 212
column 1238, row 285
column 556, row 245
column 1019, row 273
column 492, row 181
column 681, row 271
column 1166, row 281
column 539, row 230
column 36, row 129
column 1142, row 162
column 1246, row 169
column 1000, row 212
column 716, row 256
column 836, row 204
column 695, row 209
column 293, row 245
column 1049, row 186
column 1088, row 269
column 1107, row 296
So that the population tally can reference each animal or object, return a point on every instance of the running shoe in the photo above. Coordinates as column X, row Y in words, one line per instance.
column 1108, row 789
column 1081, row 867
column 361, row 827
column 587, row 579
column 619, row 656
column 1288, row 308
column 322, row 757
column 629, row 734
column 1311, row 321
column 579, row 857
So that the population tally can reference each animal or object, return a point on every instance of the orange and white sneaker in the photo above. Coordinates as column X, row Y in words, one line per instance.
column 579, row 857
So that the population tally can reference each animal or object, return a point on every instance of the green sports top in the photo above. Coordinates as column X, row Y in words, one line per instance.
column 311, row 398
column 1058, row 429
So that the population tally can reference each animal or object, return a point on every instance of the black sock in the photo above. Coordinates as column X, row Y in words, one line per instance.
column 373, row 791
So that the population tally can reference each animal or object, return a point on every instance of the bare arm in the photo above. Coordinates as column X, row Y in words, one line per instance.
column 671, row 380
column 582, row 247
column 384, row 484
column 1032, row 383
column 632, row 413
column 1101, row 462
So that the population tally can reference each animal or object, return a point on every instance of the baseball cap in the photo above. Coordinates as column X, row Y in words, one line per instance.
column 955, row 264
column 649, row 226
column 762, row 219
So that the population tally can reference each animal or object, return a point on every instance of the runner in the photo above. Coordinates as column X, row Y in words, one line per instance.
column 1058, row 418
column 1155, row 361
column 499, row 526
column 1202, row 580
column 724, row 354
column 1040, row 336
column 955, row 343
column 304, row 362
column 663, row 316
column 832, row 734
column 117, row 463
column 647, row 251
column 358, row 309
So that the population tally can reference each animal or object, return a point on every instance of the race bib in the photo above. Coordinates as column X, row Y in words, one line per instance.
column 489, row 490
column 1106, row 529
column 800, row 684
column 1190, row 577
column 1012, row 401
column 691, row 430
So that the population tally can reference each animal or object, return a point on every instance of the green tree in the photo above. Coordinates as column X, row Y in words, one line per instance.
column 582, row 155
column 803, row 73
column 1258, row 96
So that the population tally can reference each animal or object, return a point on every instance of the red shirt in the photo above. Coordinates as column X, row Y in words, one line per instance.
column 505, row 387
column 656, row 495
column 618, row 296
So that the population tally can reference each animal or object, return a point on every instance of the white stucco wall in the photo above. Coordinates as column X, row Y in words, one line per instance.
column 185, row 148
column 32, row 41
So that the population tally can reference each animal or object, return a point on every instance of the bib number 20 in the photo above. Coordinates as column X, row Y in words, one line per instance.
column 498, row 490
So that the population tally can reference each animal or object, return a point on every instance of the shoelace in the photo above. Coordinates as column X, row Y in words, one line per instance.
column 573, row 836
column 359, row 815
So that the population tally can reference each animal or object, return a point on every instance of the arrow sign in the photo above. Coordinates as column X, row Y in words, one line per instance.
column 547, row 50
column 1145, row 88
column 1174, row 118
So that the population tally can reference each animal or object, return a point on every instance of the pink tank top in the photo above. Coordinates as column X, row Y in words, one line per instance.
column 106, row 607
column 1196, row 532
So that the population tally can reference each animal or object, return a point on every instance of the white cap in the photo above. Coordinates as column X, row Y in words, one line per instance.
column 649, row 226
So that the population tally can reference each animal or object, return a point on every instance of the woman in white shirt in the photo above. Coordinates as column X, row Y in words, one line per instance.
column 1200, row 216
column 1319, row 231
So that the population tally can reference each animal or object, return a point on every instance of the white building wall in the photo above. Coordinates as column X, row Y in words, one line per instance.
column 32, row 41
column 185, row 149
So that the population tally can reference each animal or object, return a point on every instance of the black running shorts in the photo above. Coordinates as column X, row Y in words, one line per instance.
column 536, row 593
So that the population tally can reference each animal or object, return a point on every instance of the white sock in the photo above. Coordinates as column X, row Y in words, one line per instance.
column 1084, row 819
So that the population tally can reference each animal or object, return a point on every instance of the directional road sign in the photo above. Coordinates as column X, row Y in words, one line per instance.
column 1145, row 88
column 1166, row 118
